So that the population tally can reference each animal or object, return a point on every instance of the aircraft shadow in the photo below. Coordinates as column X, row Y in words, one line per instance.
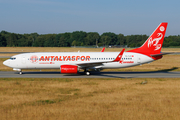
column 140, row 72
column 101, row 73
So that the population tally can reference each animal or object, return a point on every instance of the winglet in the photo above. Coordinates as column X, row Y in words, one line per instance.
column 118, row 58
column 103, row 49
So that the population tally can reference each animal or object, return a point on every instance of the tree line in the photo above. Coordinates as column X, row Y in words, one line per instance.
column 78, row 38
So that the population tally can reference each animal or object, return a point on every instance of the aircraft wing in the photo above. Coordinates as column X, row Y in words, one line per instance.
column 91, row 64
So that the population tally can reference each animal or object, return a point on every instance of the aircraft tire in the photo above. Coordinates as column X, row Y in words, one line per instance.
column 87, row 73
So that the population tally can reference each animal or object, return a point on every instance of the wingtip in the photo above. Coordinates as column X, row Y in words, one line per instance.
column 103, row 49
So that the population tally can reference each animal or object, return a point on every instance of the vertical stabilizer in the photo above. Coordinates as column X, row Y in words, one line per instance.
column 154, row 43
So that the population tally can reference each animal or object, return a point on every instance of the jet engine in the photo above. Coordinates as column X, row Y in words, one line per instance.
column 71, row 69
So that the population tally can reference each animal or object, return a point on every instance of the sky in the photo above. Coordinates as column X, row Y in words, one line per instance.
column 128, row 17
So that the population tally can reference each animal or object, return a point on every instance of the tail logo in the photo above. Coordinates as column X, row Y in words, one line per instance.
column 162, row 28
column 155, row 41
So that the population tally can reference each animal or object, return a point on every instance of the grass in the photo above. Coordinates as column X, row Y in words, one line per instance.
column 109, row 98
column 48, row 98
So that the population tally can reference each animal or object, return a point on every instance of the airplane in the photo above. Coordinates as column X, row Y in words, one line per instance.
column 72, row 62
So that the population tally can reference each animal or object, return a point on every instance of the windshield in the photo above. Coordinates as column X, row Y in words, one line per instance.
column 12, row 58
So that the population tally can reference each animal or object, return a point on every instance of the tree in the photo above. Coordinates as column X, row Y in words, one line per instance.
column 105, row 40
column 129, row 39
column 67, row 38
column 49, row 40
column 62, row 41
column 22, row 42
column 34, row 37
column 12, row 40
column 79, row 37
column 74, row 43
column 121, row 40
column 112, row 38
column 92, row 38
column 2, row 41
column 39, row 42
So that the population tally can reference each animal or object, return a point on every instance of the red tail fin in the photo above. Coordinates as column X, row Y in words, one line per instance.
column 154, row 43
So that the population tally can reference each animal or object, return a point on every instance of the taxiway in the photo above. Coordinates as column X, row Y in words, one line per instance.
column 153, row 74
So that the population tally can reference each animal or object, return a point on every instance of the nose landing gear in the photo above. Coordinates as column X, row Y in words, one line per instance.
column 20, row 71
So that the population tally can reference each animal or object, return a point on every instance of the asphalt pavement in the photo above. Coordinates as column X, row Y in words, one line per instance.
column 153, row 74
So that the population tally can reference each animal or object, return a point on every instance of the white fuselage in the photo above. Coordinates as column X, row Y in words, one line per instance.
column 53, row 60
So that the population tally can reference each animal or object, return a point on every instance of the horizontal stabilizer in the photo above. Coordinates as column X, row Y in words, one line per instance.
column 155, row 55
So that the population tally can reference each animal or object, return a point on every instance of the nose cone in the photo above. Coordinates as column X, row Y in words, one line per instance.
column 6, row 63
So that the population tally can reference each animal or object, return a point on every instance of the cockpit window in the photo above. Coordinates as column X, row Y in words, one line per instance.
column 13, row 58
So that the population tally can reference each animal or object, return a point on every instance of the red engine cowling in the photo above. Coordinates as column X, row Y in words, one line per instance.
column 71, row 69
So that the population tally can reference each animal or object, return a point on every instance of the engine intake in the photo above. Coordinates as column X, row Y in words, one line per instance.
column 69, row 69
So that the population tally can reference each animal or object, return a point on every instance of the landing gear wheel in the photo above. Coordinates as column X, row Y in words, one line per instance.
column 87, row 73
column 20, row 72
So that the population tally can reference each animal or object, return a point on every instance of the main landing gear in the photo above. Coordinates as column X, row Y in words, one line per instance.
column 20, row 71
column 86, row 72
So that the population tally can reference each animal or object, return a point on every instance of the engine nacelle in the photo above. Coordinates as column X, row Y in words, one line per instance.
column 71, row 69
